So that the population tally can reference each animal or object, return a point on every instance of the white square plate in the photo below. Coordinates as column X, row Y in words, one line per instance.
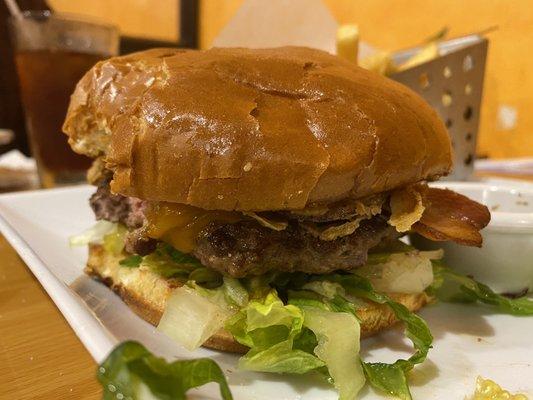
column 469, row 340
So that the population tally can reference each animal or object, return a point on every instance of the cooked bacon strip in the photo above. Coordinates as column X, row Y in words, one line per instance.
column 452, row 216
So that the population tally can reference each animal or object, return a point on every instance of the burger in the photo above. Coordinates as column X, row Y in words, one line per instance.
column 256, row 201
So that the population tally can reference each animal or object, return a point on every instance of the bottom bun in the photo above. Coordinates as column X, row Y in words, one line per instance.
column 146, row 293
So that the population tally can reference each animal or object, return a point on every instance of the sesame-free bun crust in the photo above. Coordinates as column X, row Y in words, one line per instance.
column 262, row 129
column 146, row 292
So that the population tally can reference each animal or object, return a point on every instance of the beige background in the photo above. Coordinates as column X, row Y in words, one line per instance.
column 391, row 24
column 156, row 19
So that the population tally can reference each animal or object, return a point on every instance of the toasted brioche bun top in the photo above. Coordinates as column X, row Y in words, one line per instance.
column 242, row 129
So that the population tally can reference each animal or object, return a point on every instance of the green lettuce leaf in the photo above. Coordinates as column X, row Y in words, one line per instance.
column 133, row 261
column 94, row 234
column 310, row 298
column 169, row 262
column 390, row 378
column 270, row 329
column 452, row 286
column 308, row 334
column 206, row 277
column 178, row 257
column 280, row 358
column 114, row 241
column 416, row 328
column 135, row 373
column 338, row 336
column 333, row 297
column 203, row 311
column 235, row 292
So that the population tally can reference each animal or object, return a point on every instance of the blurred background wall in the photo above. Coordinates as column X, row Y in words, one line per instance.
column 154, row 19
column 507, row 117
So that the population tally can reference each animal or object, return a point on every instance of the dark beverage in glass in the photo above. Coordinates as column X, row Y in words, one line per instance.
column 52, row 53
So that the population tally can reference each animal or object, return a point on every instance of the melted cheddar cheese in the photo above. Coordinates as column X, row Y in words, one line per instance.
column 179, row 224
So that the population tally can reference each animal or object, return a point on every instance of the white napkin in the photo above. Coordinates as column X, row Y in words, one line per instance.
column 15, row 160
column 272, row 23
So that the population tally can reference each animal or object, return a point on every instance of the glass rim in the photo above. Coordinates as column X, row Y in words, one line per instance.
column 63, row 16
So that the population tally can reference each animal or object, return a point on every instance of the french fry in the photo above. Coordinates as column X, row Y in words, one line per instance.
column 427, row 53
column 348, row 42
column 380, row 62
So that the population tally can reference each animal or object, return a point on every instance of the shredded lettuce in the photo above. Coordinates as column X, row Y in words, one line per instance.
column 338, row 335
column 325, row 288
column 401, row 273
column 133, row 261
column 206, row 277
column 273, row 342
column 94, row 234
column 281, row 357
column 390, row 378
column 452, row 286
column 326, row 295
column 114, row 240
column 169, row 262
column 301, row 336
column 235, row 292
column 271, row 329
column 131, row 371
column 179, row 257
column 202, row 312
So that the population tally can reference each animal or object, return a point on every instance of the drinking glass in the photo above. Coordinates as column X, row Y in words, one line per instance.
column 52, row 52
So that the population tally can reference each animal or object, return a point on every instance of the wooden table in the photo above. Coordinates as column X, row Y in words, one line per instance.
column 41, row 358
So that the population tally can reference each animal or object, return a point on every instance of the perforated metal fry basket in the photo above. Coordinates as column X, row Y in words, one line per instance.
column 453, row 84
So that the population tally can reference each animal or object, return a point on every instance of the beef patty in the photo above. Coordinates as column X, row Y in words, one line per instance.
column 247, row 248
column 129, row 211
column 117, row 208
